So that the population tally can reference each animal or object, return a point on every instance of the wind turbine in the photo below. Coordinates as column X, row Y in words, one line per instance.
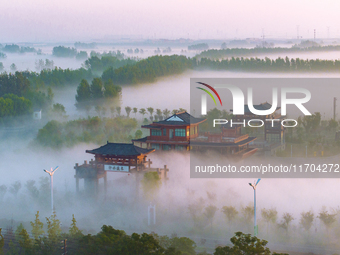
column 254, row 187
column 51, row 172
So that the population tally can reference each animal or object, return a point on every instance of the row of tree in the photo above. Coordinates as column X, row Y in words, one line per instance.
column 91, row 130
column 129, row 71
column 12, row 105
column 58, row 77
column 17, row 97
column 51, row 240
column 14, row 48
column 88, row 94
column 267, row 64
column 229, row 52
column 199, row 46
column 117, row 111
column 147, row 70
column 97, row 64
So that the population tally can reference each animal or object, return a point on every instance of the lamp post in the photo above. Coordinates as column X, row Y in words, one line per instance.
column 51, row 172
column 254, row 188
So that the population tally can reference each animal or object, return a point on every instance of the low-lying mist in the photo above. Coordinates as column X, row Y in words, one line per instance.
column 185, row 206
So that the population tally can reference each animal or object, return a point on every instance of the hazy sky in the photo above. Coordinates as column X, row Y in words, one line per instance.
column 70, row 20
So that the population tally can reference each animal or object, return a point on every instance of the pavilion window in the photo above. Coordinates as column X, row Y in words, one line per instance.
column 164, row 132
column 156, row 132
column 180, row 132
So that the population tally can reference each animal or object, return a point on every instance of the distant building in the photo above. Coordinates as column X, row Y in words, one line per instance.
column 172, row 133
column 37, row 114
column 181, row 132
column 112, row 158
column 270, row 137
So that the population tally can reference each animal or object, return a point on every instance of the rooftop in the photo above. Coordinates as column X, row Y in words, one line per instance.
column 120, row 149
column 180, row 118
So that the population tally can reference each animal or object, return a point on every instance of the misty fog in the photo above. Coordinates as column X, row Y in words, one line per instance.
column 22, row 162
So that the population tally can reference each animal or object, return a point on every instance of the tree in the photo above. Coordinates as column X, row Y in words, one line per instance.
column 81, row 55
column 15, row 187
column 159, row 114
column 142, row 111
column 135, row 110
column 1, row 66
column 269, row 216
column 209, row 213
column 118, row 109
column 83, row 96
column 211, row 196
column 183, row 244
column 195, row 209
column 306, row 220
column 150, row 110
column 327, row 218
column 138, row 134
column 248, row 213
column 17, row 232
column 97, row 88
column 230, row 212
column 244, row 244
column 13, row 67
column 150, row 184
column 287, row 218
column 39, row 65
column 166, row 113
column 74, row 230
column 2, row 243
column 65, row 52
column 58, row 109
column 25, row 242
column 111, row 90
column 37, row 227
column 311, row 122
column 332, row 124
column 174, row 111
column 53, row 227
column 128, row 110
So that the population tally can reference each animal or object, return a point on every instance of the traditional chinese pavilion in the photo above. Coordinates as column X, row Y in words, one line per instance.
column 172, row 133
column 272, row 132
column 114, row 157
column 181, row 132
column 228, row 142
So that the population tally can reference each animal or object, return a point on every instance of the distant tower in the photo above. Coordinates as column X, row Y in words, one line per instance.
column 297, row 32
column 314, row 34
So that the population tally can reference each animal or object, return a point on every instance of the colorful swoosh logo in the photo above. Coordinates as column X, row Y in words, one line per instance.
column 209, row 93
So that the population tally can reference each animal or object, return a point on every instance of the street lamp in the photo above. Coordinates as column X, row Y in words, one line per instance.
column 51, row 177
column 254, row 187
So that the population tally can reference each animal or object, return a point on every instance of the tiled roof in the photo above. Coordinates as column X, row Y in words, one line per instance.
column 181, row 118
column 120, row 149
